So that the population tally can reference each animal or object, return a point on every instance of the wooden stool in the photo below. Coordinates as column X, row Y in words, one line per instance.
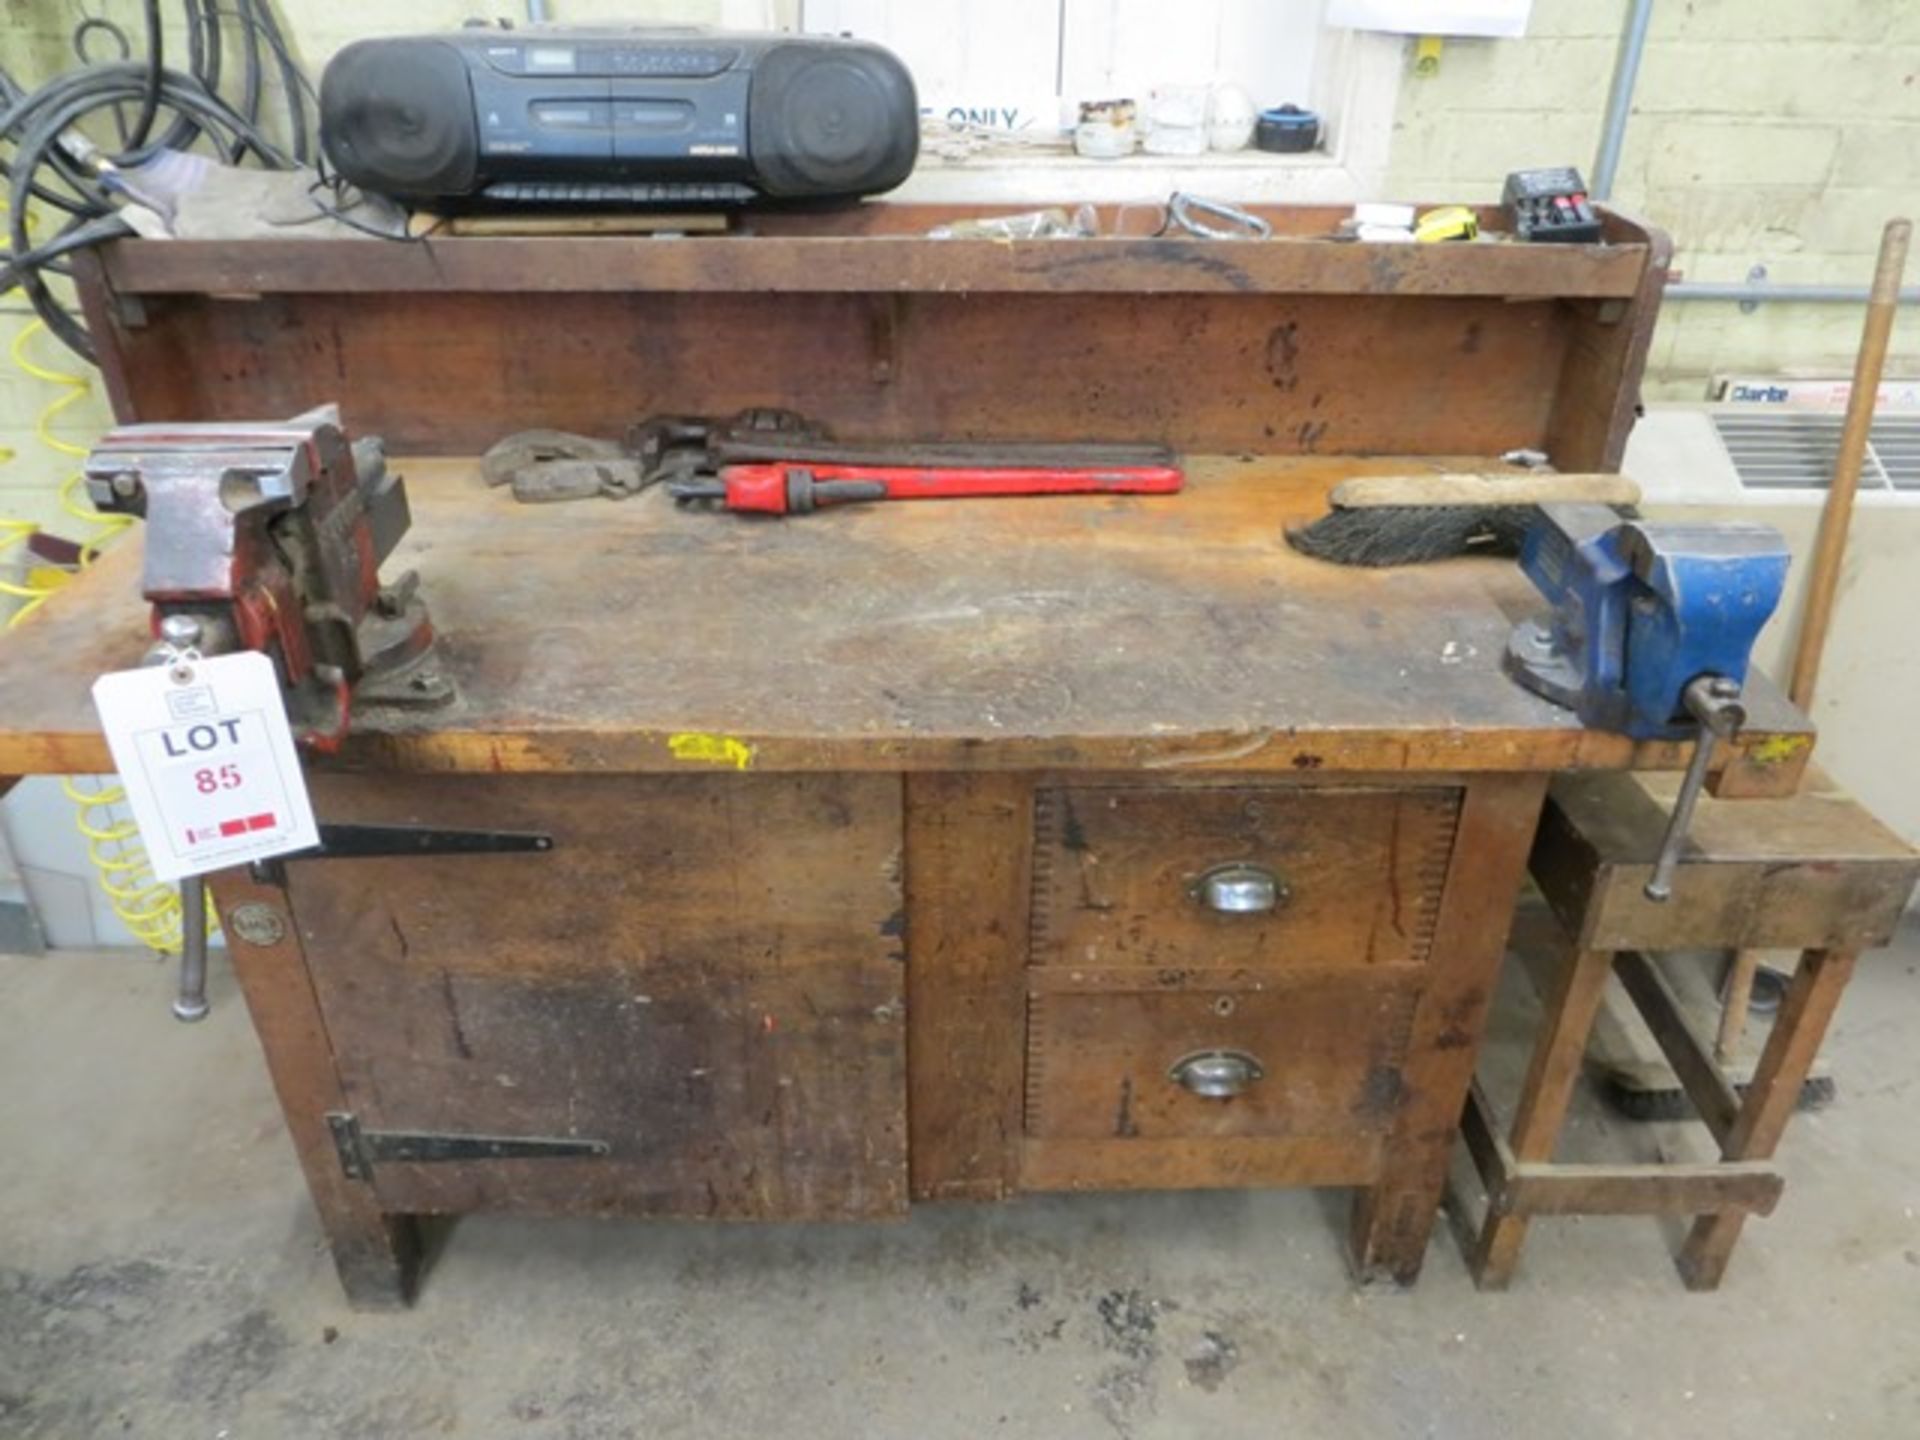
column 1813, row 872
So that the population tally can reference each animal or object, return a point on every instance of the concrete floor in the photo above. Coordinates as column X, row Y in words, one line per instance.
column 161, row 1275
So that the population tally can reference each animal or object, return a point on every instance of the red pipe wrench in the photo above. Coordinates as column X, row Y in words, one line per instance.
column 793, row 487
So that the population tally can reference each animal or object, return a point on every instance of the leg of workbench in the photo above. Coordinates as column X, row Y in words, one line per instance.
column 1555, row 1066
column 377, row 1254
column 1393, row 1220
column 1772, row 1096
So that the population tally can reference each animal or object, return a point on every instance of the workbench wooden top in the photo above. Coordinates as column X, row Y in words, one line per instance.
column 1117, row 633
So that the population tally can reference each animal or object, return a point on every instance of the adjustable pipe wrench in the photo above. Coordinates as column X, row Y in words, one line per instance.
column 790, row 488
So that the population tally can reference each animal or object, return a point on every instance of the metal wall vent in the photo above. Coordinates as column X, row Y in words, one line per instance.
column 1794, row 449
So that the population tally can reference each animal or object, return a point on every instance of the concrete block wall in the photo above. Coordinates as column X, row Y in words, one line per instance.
column 1781, row 133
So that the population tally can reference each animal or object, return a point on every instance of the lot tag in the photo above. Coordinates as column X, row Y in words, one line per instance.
column 205, row 752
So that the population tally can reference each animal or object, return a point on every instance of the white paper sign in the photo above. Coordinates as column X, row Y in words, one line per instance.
column 1495, row 19
column 206, row 755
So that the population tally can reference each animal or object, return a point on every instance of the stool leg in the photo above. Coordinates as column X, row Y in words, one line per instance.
column 1733, row 1009
column 1543, row 1102
column 1771, row 1098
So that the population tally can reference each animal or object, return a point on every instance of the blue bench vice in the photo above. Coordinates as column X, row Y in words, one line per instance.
column 1651, row 631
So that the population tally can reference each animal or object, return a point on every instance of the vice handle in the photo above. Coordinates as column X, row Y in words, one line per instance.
column 1713, row 700
column 190, row 1002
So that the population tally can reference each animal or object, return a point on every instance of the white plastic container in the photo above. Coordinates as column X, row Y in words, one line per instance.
column 1177, row 120
column 1106, row 130
column 1230, row 118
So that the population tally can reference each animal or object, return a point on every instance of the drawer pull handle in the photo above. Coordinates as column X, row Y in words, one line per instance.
column 1216, row 1074
column 1241, row 890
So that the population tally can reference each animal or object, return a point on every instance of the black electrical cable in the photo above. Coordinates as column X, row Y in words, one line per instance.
column 54, row 164
column 340, row 215
column 41, row 130
column 281, row 53
column 204, row 16
column 183, row 132
column 203, row 63
column 20, row 105
column 156, row 64
column 51, row 198
column 291, row 76
column 76, row 236
column 99, row 85
column 88, row 26
column 250, row 85
column 323, row 180
column 196, row 42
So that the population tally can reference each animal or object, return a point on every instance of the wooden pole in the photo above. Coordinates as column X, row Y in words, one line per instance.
column 1734, row 1005
column 1837, row 516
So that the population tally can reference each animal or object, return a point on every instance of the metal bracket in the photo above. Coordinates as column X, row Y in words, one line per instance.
column 360, row 1150
column 129, row 311
column 883, row 336
column 371, row 842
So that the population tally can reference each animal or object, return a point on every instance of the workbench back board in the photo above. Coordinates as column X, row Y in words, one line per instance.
column 450, row 374
column 1298, row 345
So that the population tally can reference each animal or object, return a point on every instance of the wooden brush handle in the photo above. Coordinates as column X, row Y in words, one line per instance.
column 1367, row 492
column 1823, row 581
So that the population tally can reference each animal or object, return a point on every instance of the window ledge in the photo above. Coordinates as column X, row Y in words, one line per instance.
column 1357, row 90
column 1015, row 173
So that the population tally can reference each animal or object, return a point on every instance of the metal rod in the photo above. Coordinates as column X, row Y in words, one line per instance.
column 1660, row 884
column 1626, row 75
column 1714, row 701
column 191, row 1003
column 536, row 12
column 1747, row 293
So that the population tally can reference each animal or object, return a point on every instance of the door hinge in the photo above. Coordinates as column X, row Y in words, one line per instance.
column 360, row 1150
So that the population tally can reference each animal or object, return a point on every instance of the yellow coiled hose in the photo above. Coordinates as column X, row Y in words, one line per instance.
column 74, row 389
column 17, row 532
column 147, row 906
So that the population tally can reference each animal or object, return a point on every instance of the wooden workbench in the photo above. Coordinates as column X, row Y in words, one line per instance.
column 1171, row 634
column 882, row 837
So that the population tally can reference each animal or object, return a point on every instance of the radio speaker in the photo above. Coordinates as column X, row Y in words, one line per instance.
column 399, row 117
column 831, row 121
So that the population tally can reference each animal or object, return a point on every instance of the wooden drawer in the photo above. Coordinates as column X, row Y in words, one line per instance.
column 1121, row 875
column 1107, row 1064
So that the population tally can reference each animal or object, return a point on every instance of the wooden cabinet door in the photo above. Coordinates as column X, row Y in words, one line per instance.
column 705, row 974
